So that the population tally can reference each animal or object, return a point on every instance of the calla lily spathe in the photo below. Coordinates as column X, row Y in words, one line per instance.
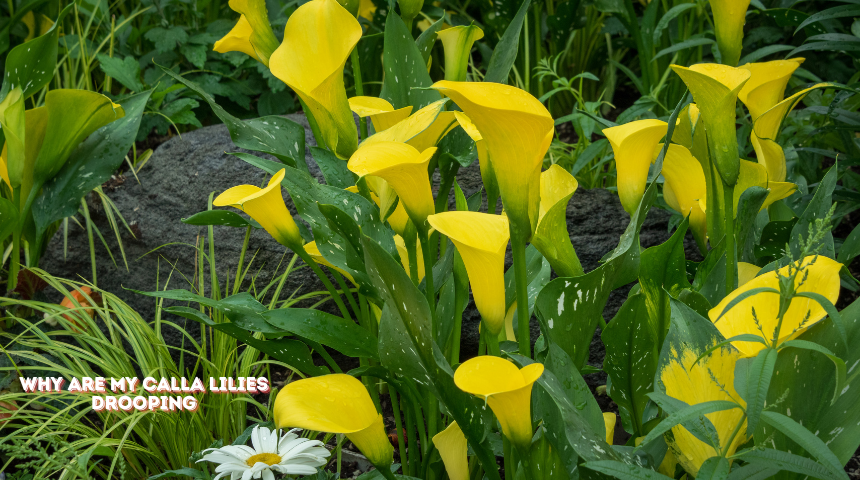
column 506, row 389
column 481, row 239
column 238, row 40
column 458, row 42
column 633, row 144
column 609, row 425
column 29, row 20
column 423, row 129
column 729, row 18
column 488, row 176
column 400, row 244
column 518, row 130
column 823, row 278
column 312, row 65
column 452, row 447
column 747, row 272
column 685, row 185
column 267, row 207
column 405, row 169
column 313, row 250
column 4, row 171
column 381, row 112
column 551, row 237
column 336, row 403
column 766, row 86
column 259, row 30
column 715, row 89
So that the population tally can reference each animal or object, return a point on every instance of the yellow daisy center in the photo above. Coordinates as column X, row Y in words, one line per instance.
column 267, row 458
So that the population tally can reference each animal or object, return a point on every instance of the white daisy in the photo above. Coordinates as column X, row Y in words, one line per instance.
column 288, row 455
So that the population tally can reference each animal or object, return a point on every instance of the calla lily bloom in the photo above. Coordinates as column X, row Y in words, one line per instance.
column 766, row 86
column 488, row 176
column 633, row 144
column 715, row 89
column 451, row 444
column 258, row 30
column 4, row 170
column 747, row 272
column 481, row 239
column 729, row 18
column 314, row 252
column 266, row 206
column 506, row 389
column 753, row 174
column 238, row 40
column 458, row 42
column 396, row 219
column 685, row 185
column 609, row 424
column 381, row 113
column 693, row 383
column 336, row 403
column 822, row 278
column 518, row 130
column 551, row 238
column 366, row 9
column 423, row 129
column 409, row 10
column 312, row 65
column 404, row 256
column 405, row 169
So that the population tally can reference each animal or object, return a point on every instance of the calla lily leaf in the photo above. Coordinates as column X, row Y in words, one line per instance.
column 633, row 144
column 13, row 122
column 405, row 71
column 729, row 17
column 451, row 444
column 239, row 40
column 8, row 218
column 381, row 113
column 256, row 30
column 551, row 236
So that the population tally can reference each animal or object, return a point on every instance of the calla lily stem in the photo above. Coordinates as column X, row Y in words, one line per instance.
column 729, row 212
column 429, row 261
column 520, row 274
column 322, row 276
column 359, row 87
column 15, row 261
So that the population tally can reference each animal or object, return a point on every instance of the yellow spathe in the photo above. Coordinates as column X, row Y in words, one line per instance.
column 556, row 185
column 238, row 40
column 423, row 129
column 487, row 174
column 766, row 86
column 609, row 424
column 381, row 113
column 693, row 384
column 747, row 272
column 4, row 171
column 457, row 42
column 506, row 389
column 318, row 39
column 481, row 239
column 404, row 256
column 685, row 185
column 518, row 130
column 753, row 174
column 551, row 236
column 451, row 444
column 29, row 20
column 259, row 30
column 266, row 206
column 729, row 16
column 335, row 403
column 633, row 144
column 314, row 252
column 823, row 278
column 405, row 169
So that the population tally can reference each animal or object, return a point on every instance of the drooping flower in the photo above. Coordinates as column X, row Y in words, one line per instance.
column 270, row 453
column 766, row 86
column 753, row 174
column 633, row 144
column 318, row 39
column 238, row 40
column 267, row 207
column 551, row 237
column 381, row 112
column 258, row 30
column 313, row 250
column 729, row 17
column 336, row 403
column 518, row 130
column 685, row 185
column 451, row 444
column 458, row 42
column 506, row 389
column 481, row 239
column 488, row 176
column 821, row 277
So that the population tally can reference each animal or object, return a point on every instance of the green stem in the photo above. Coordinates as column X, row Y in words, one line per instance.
column 728, row 445
column 15, row 264
column 525, row 458
column 411, row 436
column 729, row 214
column 510, row 464
column 538, row 44
column 526, row 70
column 520, row 275
column 347, row 293
column 429, row 289
column 493, row 345
column 322, row 276
column 238, row 280
column 90, row 237
column 401, row 434
column 359, row 87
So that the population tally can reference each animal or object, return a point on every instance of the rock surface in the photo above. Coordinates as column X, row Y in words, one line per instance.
column 184, row 171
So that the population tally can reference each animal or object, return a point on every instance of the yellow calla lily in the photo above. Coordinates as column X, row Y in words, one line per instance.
column 488, row 176
column 481, row 239
column 29, row 20
column 396, row 219
column 4, row 170
column 423, row 129
column 259, row 30
column 551, row 237
column 312, row 65
column 633, row 144
column 729, row 18
column 381, row 113
column 766, row 130
column 822, row 278
column 693, row 383
column 715, row 89
column 685, row 185
column 366, row 9
column 753, row 174
column 404, row 255
column 405, row 169
column 336, row 403
column 509, row 334
column 609, row 424
column 518, row 130
column 458, row 42
column 238, row 40
column 747, row 272
column 314, row 252
column 506, row 389
column 266, row 206
column 451, row 444
column 766, row 86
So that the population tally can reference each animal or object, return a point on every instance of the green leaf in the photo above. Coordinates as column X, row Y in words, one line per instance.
column 687, row 414
column 427, row 39
column 831, row 311
column 332, row 331
column 817, row 208
column 575, row 387
column 663, row 272
column 333, row 169
column 752, row 471
column 850, row 248
column 167, row 39
column 759, row 375
column 8, row 218
column 624, row 471
column 763, row 52
column 126, row 71
column 505, row 52
column 790, row 462
column 195, row 54
column 693, row 42
column 226, row 218
column 837, row 362
column 831, row 13
column 670, row 15
column 405, row 79
column 749, row 205
column 804, row 438
column 182, row 472
column 714, row 468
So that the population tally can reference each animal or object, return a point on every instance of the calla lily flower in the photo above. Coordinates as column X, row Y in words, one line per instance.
column 753, row 174
column 551, row 238
column 396, row 219
column 4, row 170
column 238, row 40
column 488, row 176
column 266, row 206
column 481, row 239
column 747, row 272
column 405, row 169
column 729, row 18
column 685, row 185
column 381, row 113
column 404, row 256
column 715, row 89
column 366, row 9
column 633, row 144
column 506, row 389
column 458, row 42
column 451, row 444
column 518, row 130
column 409, row 9
column 693, row 383
column 258, row 30
column 336, row 403
column 29, row 20
column 423, row 129
column 314, row 252
column 312, row 65
column 822, row 278
column 766, row 86
column 609, row 423
column 766, row 130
